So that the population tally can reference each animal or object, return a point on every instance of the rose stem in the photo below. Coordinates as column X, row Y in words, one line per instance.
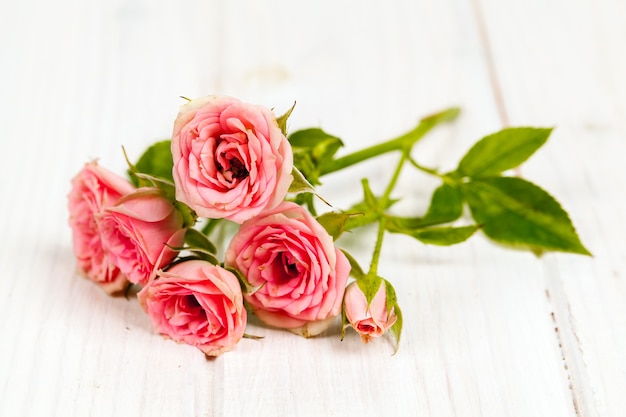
column 382, row 219
column 402, row 142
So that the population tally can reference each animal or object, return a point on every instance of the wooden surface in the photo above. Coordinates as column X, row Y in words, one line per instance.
column 488, row 331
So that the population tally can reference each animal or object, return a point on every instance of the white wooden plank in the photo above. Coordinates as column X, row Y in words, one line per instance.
column 566, row 71
column 479, row 337
column 483, row 343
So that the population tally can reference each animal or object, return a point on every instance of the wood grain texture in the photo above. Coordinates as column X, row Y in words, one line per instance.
column 488, row 331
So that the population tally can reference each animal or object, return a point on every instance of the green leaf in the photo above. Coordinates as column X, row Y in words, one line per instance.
column 156, row 161
column 442, row 236
column 501, row 151
column 318, row 143
column 516, row 212
column 311, row 148
column 446, row 205
column 196, row 239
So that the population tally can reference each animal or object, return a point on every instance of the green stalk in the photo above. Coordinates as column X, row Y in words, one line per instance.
column 373, row 271
column 426, row 170
column 382, row 220
column 394, row 178
column 210, row 226
column 402, row 142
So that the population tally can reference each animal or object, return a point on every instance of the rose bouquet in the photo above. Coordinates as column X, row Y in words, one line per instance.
column 231, row 163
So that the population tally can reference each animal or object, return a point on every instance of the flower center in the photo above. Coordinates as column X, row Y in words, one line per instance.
column 191, row 302
column 232, row 169
column 366, row 328
column 289, row 266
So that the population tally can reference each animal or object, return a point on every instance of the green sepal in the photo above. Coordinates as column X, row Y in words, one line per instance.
column 252, row 336
column 501, row 151
column 391, row 299
column 301, row 185
column 369, row 284
column 196, row 253
column 335, row 222
column 181, row 259
column 196, row 239
column 365, row 212
column 345, row 323
column 246, row 287
column 141, row 192
column 355, row 269
column 441, row 236
column 392, row 304
column 282, row 119
column 147, row 180
column 132, row 173
column 370, row 200
column 517, row 212
column 359, row 218
column 203, row 255
column 189, row 216
column 396, row 329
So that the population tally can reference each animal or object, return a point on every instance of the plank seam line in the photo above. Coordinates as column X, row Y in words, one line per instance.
column 494, row 80
column 562, row 350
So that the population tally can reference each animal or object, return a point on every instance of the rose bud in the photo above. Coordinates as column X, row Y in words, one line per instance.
column 371, row 320
column 231, row 159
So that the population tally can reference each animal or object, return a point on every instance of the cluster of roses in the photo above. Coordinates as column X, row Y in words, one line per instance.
column 232, row 161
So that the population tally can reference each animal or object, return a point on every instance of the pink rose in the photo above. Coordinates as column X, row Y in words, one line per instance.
column 196, row 303
column 301, row 275
column 369, row 321
column 93, row 189
column 231, row 160
column 137, row 230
